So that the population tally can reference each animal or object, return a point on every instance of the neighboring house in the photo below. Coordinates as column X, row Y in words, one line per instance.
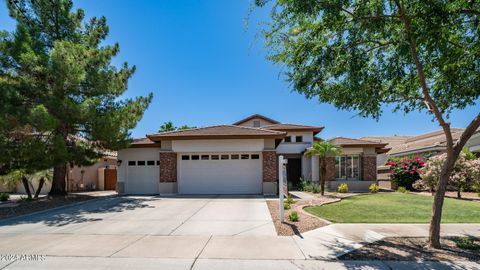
column 78, row 178
column 237, row 159
column 474, row 143
column 428, row 143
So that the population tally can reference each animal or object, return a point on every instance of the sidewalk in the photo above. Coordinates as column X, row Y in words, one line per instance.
column 332, row 241
column 94, row 263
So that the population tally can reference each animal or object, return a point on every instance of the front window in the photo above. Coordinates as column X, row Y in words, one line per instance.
column 347, row 167
column 256, row 123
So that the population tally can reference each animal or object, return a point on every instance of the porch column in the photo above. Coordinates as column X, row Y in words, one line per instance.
column 369, row 168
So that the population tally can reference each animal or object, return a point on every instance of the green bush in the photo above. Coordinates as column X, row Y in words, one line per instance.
column 290, row 199
column 4, row 196
column 306, row 185
column 316, row 188
column 343, row 188
column 374, row 188
column 286, row 206
column 293, row 217
column 402, row 189
column 466, row 242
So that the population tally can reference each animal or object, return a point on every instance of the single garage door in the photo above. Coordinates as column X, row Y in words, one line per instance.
column 143, row 177
column 232, row 173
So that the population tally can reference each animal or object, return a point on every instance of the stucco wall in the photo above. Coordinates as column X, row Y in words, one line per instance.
column 249, row 123
column 226, row 145
column 294, row 147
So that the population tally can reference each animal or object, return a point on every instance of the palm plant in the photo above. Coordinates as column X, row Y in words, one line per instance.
column 26, row 179
column 323, row 150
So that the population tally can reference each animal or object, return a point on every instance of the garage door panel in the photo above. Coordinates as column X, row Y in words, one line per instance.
column 232, row 176
column 143, row 180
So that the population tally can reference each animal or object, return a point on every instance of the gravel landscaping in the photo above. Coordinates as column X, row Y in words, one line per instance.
column 21, row 207
column 415, row 249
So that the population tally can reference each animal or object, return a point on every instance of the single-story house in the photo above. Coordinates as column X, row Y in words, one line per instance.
column 423, row 144
column 240, row 158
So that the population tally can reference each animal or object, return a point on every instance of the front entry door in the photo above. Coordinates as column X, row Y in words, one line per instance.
column 294, row 172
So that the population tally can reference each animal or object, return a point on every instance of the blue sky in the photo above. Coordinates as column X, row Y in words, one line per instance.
column 205, row 68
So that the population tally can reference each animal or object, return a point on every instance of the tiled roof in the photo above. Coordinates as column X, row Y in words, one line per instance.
column 391, row 140
column 256, row 116
column 355, row 142
column 293, row 127
column 143, row 142
column 425, row 142
column 217, row 132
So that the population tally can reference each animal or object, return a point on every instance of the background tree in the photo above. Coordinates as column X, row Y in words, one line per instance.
column 56, row 63
column 359, row 55
column 168, row 126
column 323, row 150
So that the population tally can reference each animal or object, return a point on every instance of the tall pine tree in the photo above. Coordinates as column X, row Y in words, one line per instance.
column 58, row 83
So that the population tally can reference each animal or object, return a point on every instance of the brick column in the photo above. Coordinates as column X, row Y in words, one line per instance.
column 168, row 167
column 369, row 168
column 330, row 175
column 269, row 166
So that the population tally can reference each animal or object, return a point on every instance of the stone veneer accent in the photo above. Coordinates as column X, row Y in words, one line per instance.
column 369, row 168
column 168, row 167
column 269, row 166
column 330, row 176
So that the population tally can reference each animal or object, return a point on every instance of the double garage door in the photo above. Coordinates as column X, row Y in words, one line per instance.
column 219, row 173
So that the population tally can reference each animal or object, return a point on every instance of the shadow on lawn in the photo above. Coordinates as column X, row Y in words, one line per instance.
column 81, row 213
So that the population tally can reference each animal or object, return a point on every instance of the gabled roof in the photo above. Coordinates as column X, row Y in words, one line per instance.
column 342, row 141
column 293, row 127
column 255, row 116
column 432, row 141
column 143, row 143
column 217, row 132
column 392, row 141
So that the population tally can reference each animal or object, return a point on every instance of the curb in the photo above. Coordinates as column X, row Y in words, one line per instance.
column 7, row 220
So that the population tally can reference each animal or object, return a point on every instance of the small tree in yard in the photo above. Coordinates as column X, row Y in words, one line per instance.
column 323, row 150
column 360, row 55
column 58, row 65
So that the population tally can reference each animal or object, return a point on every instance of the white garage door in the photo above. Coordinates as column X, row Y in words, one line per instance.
column 233, row 173
column 142, row 177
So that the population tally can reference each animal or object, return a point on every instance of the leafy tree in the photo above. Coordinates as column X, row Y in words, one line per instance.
column 323, row 150
column 168, row 126
column 361, row 55
column 55, row 65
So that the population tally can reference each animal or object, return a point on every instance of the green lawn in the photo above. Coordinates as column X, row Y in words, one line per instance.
column 396, row 208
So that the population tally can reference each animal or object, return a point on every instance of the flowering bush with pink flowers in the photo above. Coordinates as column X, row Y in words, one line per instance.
column 406, row 171
column 465, row 175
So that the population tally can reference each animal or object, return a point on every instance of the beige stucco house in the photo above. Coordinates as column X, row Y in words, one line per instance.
column 241, row 158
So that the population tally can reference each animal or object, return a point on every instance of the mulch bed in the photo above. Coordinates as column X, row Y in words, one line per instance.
column 21, row 207
column 306, row 221
column 412, row 249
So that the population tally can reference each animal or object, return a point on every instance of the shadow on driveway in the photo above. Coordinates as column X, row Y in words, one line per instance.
column 76, row 214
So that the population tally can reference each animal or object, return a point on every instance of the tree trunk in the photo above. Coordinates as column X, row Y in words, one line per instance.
column 40, row 186
column 323, row 174
column 459, row 195
column 27, row 187
column 434, row 233
column 58, row 183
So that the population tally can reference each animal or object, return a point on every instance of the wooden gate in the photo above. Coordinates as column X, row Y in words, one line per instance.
column 110, row 179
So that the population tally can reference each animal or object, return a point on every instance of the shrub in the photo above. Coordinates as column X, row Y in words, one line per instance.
column 290, row 199
column 286, row 206
column 305, row 185
column 343, row 188
column 374, row 188
column 4, row 196
column 316, row 188
column 402, row 190
column 466, row 242
column 25, row 199
column 406, row 172
column 293, row 216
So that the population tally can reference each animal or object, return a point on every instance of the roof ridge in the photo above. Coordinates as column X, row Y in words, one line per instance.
column 256, row 128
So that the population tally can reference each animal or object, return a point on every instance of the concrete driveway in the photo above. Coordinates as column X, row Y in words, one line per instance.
column 218, row 215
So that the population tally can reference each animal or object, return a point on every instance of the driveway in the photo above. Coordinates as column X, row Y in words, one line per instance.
column 218, row 215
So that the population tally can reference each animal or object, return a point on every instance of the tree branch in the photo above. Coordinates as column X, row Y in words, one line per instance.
column 470, row 12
